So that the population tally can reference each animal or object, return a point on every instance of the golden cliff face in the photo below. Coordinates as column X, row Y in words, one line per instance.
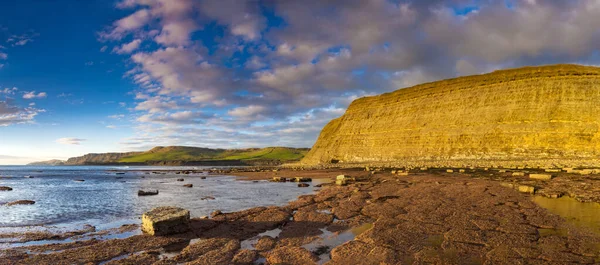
column 514, row 116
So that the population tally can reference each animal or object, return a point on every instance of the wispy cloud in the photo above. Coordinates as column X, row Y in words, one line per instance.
column 9, row 91
column 23, row 39
column 128, row 47
column 70, row 141
column 11, row 114
column 33, row 95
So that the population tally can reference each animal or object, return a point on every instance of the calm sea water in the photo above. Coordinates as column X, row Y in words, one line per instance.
column 105, row 197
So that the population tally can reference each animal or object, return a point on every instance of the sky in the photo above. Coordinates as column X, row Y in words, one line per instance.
column 98, row 76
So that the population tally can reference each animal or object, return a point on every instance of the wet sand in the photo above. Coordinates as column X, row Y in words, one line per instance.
column 422, row 218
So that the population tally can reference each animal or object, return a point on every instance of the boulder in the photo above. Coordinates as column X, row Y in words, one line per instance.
column 540, row 176
column 20, row 202
column 518, row 174
column 147, row 192
column 449, row 171
column 202, row 177
column 188, row 185
column 303, row 185
column 166, row 220
column 79, row 180
column 5, row 188
column 180, row 179
column 207, row 198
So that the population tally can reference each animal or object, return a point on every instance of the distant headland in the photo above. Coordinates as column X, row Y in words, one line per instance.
column 188, row 156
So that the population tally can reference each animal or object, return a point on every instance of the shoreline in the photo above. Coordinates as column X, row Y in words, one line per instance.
column 422, row 217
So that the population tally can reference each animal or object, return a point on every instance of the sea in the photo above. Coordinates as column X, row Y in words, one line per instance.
column 70, row 197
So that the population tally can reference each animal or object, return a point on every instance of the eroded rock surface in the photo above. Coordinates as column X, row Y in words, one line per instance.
column 422, row 218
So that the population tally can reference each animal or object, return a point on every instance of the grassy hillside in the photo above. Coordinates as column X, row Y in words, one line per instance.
column 183, row 153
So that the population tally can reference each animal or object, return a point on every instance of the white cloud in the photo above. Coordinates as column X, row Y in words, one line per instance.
column 9, row 91
column 128, row 47
column 70, row 141
column 111, row 126
column 117, row 116
column 33, row 95
column 11, row 114
column 247, row 111
column 104, row 48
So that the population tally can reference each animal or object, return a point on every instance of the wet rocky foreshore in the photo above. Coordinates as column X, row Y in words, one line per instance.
column 386, row 216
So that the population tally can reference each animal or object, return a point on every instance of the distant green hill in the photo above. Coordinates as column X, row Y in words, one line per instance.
column 181, row 155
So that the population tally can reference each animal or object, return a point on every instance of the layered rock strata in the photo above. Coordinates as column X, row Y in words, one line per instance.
column 527, row 116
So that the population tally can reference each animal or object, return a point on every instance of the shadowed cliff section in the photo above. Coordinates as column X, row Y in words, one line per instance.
column 194, row 156
column 537, row 115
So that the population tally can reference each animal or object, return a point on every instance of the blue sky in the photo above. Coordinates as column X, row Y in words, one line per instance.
column 98, row 76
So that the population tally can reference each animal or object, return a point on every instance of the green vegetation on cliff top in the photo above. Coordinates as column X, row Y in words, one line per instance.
column 183, row 153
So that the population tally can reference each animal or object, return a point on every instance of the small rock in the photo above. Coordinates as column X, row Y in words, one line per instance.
column 79, row 180
column 5, row 188
column 188, row 185
column 147, row 192
column 340, row 182
column 28, row 177
column 319, row 185
column 166, row 220
column 449, row 171
column 540, row 176
column 518, row 174
column 202, row 177
column 303, row 185
column 215, row 213
column 301, row 179
column 526, row 189
column 180, row 179
column 20, row 202
column 278, row 179
column 207, row 198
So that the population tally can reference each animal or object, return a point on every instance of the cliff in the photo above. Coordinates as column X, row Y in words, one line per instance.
column 536, row 115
